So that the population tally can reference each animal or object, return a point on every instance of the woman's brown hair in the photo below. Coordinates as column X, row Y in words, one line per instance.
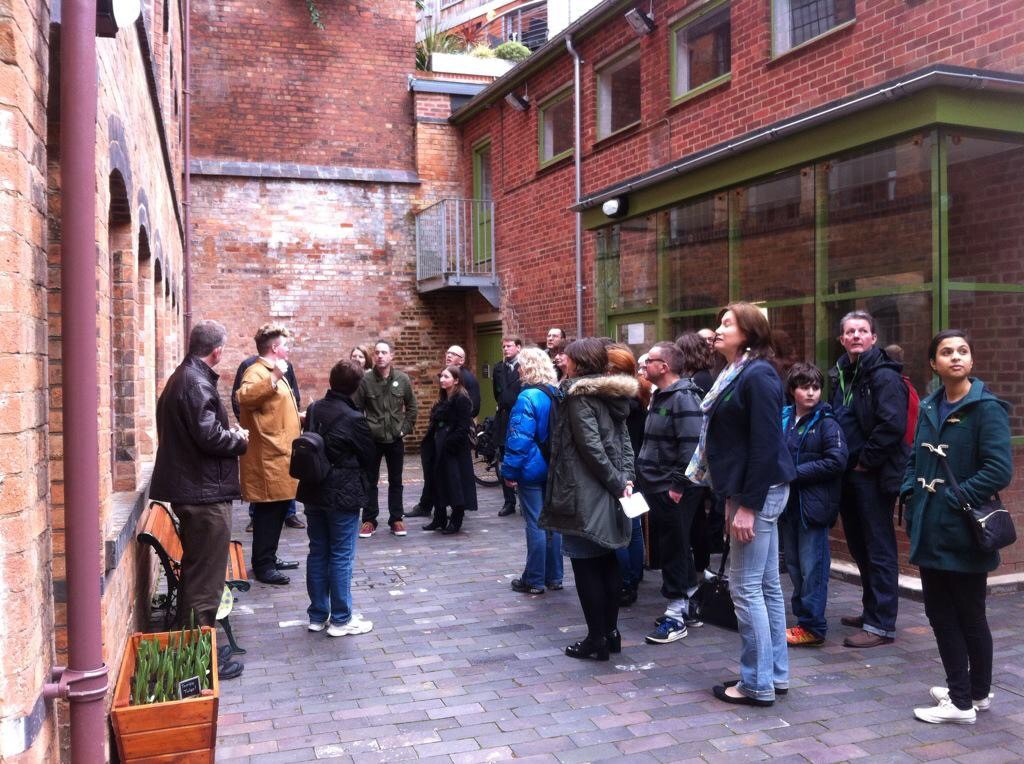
column 621, row 361
column 754, row 325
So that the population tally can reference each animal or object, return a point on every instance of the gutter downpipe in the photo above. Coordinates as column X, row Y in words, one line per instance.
column 84, row 681
column 577, row 161
column 186, row 182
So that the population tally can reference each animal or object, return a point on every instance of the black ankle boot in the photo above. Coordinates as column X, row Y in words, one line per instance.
column 454, row 523
column 589, row 648
column 438, row 520
column 614, row 639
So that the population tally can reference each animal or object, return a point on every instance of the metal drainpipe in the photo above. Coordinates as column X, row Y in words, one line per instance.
column 577, row 159
column 186, row 182
column 84, row 681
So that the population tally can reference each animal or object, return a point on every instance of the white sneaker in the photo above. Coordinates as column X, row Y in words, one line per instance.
column 356, row 625
column 317, row 626
column 946, row 712
column 939, row 693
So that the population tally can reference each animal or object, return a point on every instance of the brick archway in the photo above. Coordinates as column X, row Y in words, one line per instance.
column 122, row 347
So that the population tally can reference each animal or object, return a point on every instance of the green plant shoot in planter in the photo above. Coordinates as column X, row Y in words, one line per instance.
column 189, row 653
column 512, row 51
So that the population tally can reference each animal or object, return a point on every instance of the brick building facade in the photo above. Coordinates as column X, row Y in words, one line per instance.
column 139, row 281
column 865, row 157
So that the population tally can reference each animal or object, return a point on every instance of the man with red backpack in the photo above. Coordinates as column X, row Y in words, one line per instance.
column 870, row 400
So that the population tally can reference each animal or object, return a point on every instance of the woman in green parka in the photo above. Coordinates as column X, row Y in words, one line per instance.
column 972, row 427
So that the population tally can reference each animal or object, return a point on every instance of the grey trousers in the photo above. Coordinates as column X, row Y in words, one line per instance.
column 205, row 531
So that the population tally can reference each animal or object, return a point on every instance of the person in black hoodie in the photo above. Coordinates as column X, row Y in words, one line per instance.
column 869, row 399
column 818, row 448
column 332, row 506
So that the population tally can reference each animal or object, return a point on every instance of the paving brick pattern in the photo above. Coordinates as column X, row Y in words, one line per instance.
column 458, row 668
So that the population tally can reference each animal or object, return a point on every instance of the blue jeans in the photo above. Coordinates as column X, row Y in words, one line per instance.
column 631, row 558
column 332, row 549
column 757, row 595
column 543, row 548
column 808, row 560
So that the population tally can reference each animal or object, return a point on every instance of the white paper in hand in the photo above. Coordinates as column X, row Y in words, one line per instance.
column 634, row 505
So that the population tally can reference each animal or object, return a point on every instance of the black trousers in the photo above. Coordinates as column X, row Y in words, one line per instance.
column 267, row 521
column 955, row 606
column 598, row 581
column 674, row 522
column 205, row 531
column 394, row 454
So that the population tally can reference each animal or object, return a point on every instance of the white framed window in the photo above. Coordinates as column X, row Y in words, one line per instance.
column 618, row 94
column 702, row 46
column 794, row 22
column 556, row 127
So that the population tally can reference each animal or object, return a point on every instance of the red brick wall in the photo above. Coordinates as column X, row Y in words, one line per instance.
column 268, row 86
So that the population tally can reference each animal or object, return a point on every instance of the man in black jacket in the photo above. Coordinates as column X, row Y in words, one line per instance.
column 506, row 389
column 196, row 471
column 869, row 399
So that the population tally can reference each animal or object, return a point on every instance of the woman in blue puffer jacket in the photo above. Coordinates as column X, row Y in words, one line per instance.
column 526, row 469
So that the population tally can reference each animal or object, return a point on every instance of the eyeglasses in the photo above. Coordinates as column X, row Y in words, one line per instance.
column 655, row 360
column 455, row 355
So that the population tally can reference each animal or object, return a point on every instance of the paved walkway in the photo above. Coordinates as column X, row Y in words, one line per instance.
column 459, row 668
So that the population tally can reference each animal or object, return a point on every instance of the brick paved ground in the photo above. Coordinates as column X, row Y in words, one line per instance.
column 459, row 668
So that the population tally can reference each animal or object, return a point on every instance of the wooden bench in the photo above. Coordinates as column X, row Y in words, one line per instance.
column 160, row 532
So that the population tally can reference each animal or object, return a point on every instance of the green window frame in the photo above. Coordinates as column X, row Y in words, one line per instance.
column 607, row 75
column 704, row 21
column 551, row 118
column 481, row 213
column 796, row 23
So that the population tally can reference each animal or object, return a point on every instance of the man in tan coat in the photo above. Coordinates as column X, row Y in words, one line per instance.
column 269, row 413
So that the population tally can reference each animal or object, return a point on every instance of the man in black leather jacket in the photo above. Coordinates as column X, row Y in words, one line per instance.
column 196, row 471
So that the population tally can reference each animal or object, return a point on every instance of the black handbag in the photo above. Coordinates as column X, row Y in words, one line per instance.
column 712, row 602
column 991, row 523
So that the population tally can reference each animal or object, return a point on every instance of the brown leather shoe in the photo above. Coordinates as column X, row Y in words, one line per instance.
column 865, row 639
column 292, row 521
column 856, row 621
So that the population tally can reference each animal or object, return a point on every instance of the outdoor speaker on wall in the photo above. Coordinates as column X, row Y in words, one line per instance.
column 519, row 103
column 641, row 22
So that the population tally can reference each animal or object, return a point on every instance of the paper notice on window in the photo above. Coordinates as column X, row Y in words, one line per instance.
column 634, row 334
column 634, row 505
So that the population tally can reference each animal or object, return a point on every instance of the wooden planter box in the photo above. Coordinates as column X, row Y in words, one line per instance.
column 179, row 730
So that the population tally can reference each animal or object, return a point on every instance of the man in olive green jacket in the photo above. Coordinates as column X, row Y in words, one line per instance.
column 386, row 396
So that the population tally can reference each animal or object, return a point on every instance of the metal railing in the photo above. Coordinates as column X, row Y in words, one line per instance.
column 455, row 238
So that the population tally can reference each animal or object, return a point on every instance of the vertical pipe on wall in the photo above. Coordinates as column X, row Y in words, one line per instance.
column 186, row 150
column 81, row 379
column 577, row 159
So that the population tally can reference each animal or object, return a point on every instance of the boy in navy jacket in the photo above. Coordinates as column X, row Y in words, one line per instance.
column 818, row 448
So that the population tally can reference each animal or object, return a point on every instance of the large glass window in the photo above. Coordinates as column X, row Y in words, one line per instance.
column 985, row 179
column 618, row 94
column 556, row 127
column 697, row 253
column 702, row 49
column 628, row 264
column 776, row 237
column 880, row 217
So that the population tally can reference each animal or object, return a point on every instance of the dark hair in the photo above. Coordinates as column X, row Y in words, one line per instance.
column 696, row 353
column 671, row 355
column 754, row 326
column 383, row 342
column 560, row 347
column 945, row 334
column 801, row 374
column 346, row 376
column 861, row 315
column 367, row 354
column 205, row 337
column 895, row 352
column 589, row 354
column 512, row 338
column 458, row 389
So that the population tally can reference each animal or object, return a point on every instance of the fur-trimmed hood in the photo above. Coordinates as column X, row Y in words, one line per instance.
column 605, row 386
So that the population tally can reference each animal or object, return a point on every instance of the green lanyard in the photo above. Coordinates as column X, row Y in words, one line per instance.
column 848, row 394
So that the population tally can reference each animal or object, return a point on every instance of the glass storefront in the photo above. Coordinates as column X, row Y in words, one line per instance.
column 924, row 231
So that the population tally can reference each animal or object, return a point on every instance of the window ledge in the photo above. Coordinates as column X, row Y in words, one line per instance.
column 813, row 41
column 555, row 162
column 621, row 133
column 700, row 90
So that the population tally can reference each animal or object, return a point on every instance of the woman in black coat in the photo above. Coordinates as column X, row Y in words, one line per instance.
column 446, row 454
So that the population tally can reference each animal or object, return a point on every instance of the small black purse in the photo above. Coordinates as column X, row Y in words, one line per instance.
column 712, row 602
column 991, row 523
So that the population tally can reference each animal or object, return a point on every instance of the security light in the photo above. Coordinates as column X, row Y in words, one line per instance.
column 641, row 22
column 615, row 208
column 519, row 103
column 112, row 15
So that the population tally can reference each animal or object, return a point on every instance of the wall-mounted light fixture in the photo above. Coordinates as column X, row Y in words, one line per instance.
column 642, row 23
column 615, row 208
column 518, row 102
column 112, row 15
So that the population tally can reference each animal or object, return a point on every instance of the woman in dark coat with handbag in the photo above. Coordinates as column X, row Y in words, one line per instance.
column 446, row 454
column 332, row 506
column 591, row 468
column 971, row 426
